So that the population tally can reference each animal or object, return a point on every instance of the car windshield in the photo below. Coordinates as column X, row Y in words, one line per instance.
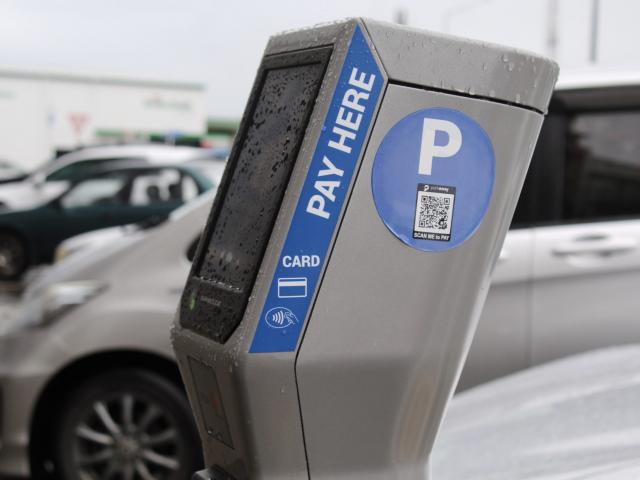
column 77, row 170
column 59, row 169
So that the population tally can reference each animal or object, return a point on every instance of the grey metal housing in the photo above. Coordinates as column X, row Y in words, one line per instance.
column 443, row 62
column 365, row 391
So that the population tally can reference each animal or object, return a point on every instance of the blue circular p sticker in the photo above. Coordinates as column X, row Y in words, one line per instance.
column 433, row 178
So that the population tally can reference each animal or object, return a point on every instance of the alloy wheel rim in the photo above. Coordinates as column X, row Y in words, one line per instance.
column 126, row 437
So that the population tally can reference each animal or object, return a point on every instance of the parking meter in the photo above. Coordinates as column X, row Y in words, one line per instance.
column 347, row 255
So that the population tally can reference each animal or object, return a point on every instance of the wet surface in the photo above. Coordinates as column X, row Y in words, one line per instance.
column 571, row 419
column 243, row 224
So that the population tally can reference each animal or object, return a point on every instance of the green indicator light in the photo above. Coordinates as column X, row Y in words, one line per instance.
column 192, row 301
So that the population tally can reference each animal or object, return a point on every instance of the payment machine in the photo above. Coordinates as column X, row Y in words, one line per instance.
column 346, row 259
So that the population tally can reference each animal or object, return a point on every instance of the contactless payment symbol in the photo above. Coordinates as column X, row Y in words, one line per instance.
column 280, row 317
column 433, row 178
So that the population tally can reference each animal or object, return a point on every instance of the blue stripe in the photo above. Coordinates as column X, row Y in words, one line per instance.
column 311, row 230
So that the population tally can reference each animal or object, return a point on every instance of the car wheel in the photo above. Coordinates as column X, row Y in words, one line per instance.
column 13, row 256
column 127, row 425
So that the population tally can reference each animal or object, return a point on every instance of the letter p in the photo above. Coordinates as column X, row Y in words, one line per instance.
column 429, row 149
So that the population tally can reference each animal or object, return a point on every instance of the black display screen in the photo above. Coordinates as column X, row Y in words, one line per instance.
column 243, row 215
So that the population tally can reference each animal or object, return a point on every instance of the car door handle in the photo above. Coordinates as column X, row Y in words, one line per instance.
column 600, row 245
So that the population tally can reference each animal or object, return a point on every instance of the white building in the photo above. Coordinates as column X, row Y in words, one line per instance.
column 43, row 113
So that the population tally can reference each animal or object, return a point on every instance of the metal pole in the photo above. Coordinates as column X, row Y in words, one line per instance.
column 552, row 29
column 400, row 16
column 595, row 17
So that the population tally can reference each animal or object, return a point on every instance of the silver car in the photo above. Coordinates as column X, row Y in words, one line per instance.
column 568, row 278
column 52, row 178
column 88, row 384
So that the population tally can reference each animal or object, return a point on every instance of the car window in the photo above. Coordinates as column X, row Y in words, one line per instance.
column 104, row 190
column 541, row 198
column 158, row 186
column 522, row 215
column 602, row 167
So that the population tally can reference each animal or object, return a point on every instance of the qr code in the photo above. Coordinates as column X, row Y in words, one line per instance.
column 434, row 212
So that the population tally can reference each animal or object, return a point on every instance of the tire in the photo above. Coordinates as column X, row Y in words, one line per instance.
column 127, row 425
column 13, row 256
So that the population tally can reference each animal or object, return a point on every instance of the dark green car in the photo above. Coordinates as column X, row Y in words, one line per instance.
column 116, row 197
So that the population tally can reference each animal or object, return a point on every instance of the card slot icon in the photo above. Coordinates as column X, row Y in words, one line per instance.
column 292, row 287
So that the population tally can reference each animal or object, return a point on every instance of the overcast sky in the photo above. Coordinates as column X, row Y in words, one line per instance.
column 219, row 43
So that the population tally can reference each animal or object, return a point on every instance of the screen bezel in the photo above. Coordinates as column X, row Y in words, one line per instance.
column 205, row 288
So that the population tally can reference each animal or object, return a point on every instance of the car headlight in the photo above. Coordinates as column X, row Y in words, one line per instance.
column 62, row 297
column 62, row 252
column 51, row 303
